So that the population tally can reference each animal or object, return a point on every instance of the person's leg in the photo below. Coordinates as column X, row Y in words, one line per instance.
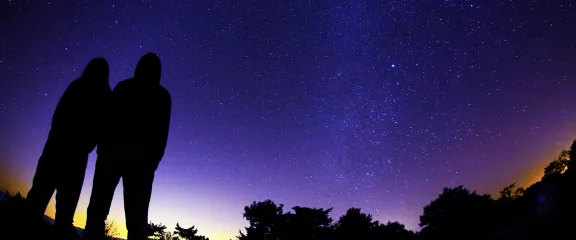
column 43, row 186
column 137, row 193
column 72, row 171
column 106, row 178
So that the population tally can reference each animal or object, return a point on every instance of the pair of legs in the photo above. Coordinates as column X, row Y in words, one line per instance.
column 62, row 172
column 137, row 184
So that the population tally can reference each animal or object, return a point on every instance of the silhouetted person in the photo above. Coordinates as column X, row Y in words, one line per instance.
column 132, row 148
column 73, row 135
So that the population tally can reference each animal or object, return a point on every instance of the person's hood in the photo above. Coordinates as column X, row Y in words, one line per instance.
column 97, row 71
column 148, row 69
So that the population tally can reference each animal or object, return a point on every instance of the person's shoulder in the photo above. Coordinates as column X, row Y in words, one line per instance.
column 164, row 93
column 76, row 87
column 123, row 84
column 76, row 83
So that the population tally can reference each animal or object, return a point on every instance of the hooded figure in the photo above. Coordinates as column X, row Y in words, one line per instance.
column 74, row 133
column 133, row 145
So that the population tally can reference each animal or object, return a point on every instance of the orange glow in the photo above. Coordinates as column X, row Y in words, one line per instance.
column 526, row 179
column 203, row 213
column 9, row 182
column 13, row 180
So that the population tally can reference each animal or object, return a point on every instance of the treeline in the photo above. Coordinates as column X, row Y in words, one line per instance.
column 545, row 210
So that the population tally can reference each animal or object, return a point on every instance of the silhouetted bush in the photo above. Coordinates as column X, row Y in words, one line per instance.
column 110, row 230
column 15, row 225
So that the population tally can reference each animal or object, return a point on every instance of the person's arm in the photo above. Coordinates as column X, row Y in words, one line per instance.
column 114, row 103
column 160, row 137
column 61, row 118
column 102, row 115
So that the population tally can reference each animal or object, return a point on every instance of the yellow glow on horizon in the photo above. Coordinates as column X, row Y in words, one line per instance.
column 13, row 184
column 203, row 212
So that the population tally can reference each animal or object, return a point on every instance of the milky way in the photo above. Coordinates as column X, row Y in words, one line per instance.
column 370, row 104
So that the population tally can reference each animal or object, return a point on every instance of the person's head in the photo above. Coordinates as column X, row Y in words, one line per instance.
column 148, row 69
column 97, row 71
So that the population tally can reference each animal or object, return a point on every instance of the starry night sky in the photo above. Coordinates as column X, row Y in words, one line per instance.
column 370, row 104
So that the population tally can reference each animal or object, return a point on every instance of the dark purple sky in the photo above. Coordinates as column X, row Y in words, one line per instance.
column 370, row 104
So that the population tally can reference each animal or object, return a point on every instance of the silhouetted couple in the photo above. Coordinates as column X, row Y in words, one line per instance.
column 130, row 126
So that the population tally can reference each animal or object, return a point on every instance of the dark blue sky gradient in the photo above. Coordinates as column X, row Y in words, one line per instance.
column 370, row 104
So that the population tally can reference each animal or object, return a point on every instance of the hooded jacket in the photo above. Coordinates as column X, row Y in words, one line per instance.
column 76, row 123
column 139, row 116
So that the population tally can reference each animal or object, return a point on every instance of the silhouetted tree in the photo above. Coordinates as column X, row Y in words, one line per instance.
column 571, row 156
column 188, row 233
column 457, row 212
column 392, row 230
column 268, row 221
column 509, row 193
column 558, row 166
column 265, row 220
column 110, row 231
column 354, row 225
column 166, row 235
column 12, row 219
column 537, row 211
column 541, row 211
column 307, row 223
column 156, row 231
column 13, row 204
column 507, row 209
